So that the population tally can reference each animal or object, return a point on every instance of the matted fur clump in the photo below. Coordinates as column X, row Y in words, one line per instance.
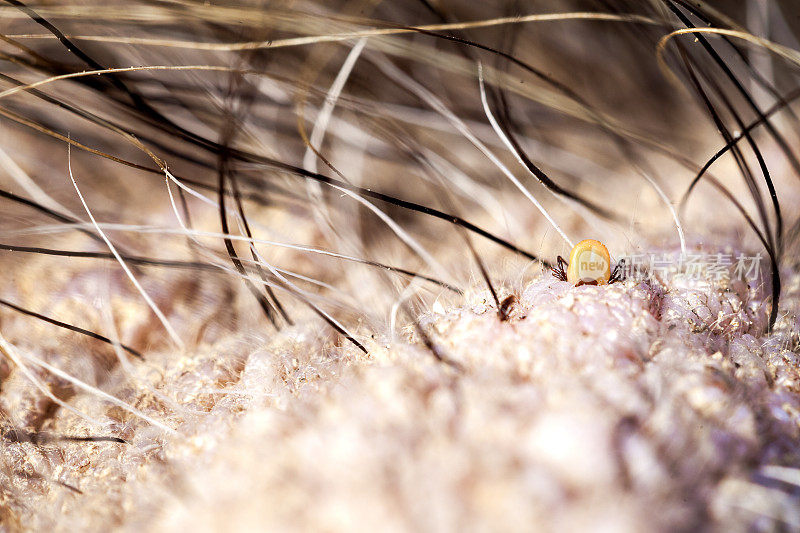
column 285, row 266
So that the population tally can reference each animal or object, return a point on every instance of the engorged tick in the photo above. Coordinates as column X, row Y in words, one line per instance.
column 589, row 264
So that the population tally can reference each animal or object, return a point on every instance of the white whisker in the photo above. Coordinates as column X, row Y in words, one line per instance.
column 122, row 263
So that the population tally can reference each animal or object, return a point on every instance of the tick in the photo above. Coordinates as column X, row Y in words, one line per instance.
column 589, row 264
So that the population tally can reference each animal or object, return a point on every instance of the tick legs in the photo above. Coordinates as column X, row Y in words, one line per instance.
column 559, row 271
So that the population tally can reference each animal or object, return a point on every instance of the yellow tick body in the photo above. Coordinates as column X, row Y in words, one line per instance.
column 589, row 263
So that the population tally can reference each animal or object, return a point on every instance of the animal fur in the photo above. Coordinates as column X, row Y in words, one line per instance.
column 663, row 402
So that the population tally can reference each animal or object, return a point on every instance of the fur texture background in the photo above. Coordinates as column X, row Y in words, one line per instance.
column 658, row 403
